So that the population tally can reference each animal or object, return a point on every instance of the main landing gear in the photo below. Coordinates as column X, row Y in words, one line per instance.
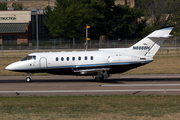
column 99, row 79
column 101, row 76
column 28, row 78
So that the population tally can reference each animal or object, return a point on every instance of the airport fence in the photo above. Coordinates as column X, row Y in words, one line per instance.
column 58, row 45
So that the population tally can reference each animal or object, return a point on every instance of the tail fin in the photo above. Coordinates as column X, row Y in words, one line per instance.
column 149, row 45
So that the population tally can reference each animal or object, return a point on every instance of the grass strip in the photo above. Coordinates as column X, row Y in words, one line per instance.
column 102, row 107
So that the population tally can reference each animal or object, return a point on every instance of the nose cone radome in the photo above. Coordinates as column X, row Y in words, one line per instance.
column 10, row 67
column 13, row 66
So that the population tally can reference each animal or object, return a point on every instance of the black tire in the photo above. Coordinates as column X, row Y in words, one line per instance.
column 99, row 79
column 28, row 79
column 102, row 78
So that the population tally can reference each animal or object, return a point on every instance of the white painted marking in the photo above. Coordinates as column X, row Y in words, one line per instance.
column 80, row 91
column 134, row 85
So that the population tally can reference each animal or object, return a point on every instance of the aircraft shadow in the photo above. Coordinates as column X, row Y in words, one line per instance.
column 112, row 81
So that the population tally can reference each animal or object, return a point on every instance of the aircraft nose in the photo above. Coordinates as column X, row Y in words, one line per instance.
column 14, row 66
column 10, row 67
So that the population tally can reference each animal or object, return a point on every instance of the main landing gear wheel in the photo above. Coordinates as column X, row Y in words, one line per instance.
column 28, row 79
column 99, row 79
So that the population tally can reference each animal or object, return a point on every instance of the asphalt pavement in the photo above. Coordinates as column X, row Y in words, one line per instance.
column 166, row 84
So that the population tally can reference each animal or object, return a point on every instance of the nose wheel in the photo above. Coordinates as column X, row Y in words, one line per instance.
column 28, row 79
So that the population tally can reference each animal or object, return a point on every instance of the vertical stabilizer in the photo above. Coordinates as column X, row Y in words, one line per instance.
column 149, row 45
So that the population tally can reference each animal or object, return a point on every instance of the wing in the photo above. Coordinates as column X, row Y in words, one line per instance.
column 90, row 71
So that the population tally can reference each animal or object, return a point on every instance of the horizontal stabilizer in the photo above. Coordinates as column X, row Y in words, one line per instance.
column 163, row 36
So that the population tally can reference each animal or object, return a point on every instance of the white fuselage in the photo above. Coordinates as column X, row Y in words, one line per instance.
column 52, row 62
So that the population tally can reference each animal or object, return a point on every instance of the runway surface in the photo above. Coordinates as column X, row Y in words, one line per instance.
column 72, row 85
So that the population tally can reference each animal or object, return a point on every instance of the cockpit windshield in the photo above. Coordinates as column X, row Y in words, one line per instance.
column 29, row 58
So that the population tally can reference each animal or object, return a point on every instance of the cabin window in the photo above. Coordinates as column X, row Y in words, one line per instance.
column 79, row 58
column 85, row 57
column 57, row 58
column 62, row 59
column 67, row 58
column 91, row 57
column 73, row 58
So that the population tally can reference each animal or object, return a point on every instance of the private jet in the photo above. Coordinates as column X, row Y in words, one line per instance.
column 99, row 64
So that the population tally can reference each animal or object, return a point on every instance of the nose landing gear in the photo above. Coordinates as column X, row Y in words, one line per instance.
column 28, row 78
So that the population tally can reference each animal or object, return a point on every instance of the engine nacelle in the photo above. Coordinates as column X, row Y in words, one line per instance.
column 117, row 59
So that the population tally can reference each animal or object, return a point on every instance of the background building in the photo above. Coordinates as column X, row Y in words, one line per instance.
column 15, row 26
column 43, row 32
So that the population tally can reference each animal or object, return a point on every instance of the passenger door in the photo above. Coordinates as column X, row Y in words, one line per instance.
column 43, row 63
